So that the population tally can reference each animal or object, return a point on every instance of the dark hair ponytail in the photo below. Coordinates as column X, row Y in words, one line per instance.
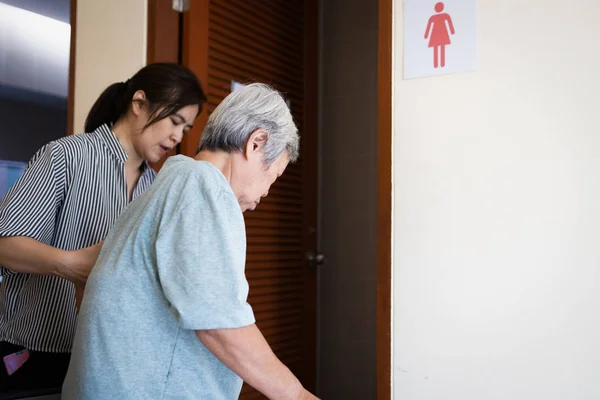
column 108, row 108
column 168, row 88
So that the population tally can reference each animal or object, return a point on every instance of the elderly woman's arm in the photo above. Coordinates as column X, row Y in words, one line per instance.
column 246, row 352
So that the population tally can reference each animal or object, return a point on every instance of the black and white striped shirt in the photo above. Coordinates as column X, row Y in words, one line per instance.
column 69, row 196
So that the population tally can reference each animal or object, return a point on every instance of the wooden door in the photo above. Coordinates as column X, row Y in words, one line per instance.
column 273, row 42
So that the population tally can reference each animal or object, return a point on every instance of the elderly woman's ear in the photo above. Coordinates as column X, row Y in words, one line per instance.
column 257, row 140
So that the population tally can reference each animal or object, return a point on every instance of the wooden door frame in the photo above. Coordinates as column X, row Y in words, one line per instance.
column 384, row 201
column 72, row 44
column 163, row 32
column 162, row 43
column 199, row 58
column 163, row 39
column 310, row 187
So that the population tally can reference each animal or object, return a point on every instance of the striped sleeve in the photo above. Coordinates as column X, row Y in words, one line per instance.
column 31, row 205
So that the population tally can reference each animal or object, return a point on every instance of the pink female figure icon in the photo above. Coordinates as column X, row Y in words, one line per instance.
column 439, row 38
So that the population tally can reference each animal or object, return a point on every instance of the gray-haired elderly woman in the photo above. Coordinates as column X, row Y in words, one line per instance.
column 165, row 312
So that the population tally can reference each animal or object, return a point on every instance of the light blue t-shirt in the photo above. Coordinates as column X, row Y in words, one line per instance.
column 173, row 263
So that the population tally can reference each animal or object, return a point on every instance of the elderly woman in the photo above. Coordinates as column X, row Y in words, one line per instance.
column 165, row 313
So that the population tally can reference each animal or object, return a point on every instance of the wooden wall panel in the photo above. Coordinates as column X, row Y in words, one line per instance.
column 258, row 41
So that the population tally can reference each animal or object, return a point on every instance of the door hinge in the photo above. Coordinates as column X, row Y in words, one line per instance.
column 181, row 6
column 315, row 259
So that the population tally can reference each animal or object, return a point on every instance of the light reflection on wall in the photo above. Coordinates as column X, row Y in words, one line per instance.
column 34, row 51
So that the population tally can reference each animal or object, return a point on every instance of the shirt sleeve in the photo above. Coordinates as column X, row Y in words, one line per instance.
column 201, row 259
column 31, row 205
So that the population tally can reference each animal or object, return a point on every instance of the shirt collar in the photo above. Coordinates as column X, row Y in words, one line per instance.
column 112, row 143
column 145, row 167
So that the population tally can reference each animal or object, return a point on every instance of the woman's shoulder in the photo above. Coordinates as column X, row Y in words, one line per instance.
column 189, row 168
column 75, row 148
column 80, row 142
column 185, row 174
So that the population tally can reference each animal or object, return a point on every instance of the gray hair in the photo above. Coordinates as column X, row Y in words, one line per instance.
column 255, row 106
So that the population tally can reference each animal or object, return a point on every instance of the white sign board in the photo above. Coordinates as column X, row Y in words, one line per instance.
column 440, row 37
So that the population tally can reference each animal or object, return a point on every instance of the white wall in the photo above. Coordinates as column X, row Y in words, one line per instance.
column 497, row 212
column 110, row 47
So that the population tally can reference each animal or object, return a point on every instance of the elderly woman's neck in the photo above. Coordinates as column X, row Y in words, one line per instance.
column 219, row 159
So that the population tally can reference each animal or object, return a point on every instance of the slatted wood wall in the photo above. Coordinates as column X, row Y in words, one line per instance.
column 263, row 41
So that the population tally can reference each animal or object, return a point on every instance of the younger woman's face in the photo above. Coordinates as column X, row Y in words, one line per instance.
column 155, row 141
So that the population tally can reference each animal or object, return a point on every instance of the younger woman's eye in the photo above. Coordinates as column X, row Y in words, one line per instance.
column 173, row 121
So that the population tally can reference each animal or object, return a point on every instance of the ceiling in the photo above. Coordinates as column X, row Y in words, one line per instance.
column 56, row 9
column 34, row 47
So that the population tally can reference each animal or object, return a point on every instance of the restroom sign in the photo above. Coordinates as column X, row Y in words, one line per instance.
column 440, row 37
